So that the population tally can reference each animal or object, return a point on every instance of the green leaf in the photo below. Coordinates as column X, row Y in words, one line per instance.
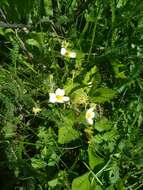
column 117, row 66
column 33, row 42
column 69, row 86
column 103, row 125
column 38, row 163
column 79, row 97
column 121, row 3
column 67, row 134
column 54, row 159
column 102, row 95
column 53, row 182
column 48, row 8
column 9, row 130
column 63, row 19
column 120, row 185
column 114, row 173
column 93, row 158
column 83, row 183
column 111, row 187
column 89, row 75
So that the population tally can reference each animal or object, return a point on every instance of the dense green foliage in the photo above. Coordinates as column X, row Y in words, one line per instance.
column 56, row 148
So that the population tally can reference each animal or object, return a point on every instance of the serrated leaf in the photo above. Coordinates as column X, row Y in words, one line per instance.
column 79, row 97
column 102, row 95
column 33, row 42
column 110, row 135
column 67, row 134
column 103, row 125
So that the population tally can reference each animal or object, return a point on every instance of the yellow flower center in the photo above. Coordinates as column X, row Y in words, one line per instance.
column 59, row 98
column 88, row 115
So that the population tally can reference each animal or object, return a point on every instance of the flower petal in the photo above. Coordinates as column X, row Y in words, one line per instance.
column 66, row 98
column 59, row 99
column 90, row 110
column 90, row 113
column 72, row 54
column 52, row 97
column 60, row 92
column 63, row 51
column 89, row 121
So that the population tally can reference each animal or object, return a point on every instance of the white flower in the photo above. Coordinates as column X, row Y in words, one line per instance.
column 63, row 51
column 58, row 96
column 72, row 54
column 89, row 84
column 35, row 110
column 90, row 114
